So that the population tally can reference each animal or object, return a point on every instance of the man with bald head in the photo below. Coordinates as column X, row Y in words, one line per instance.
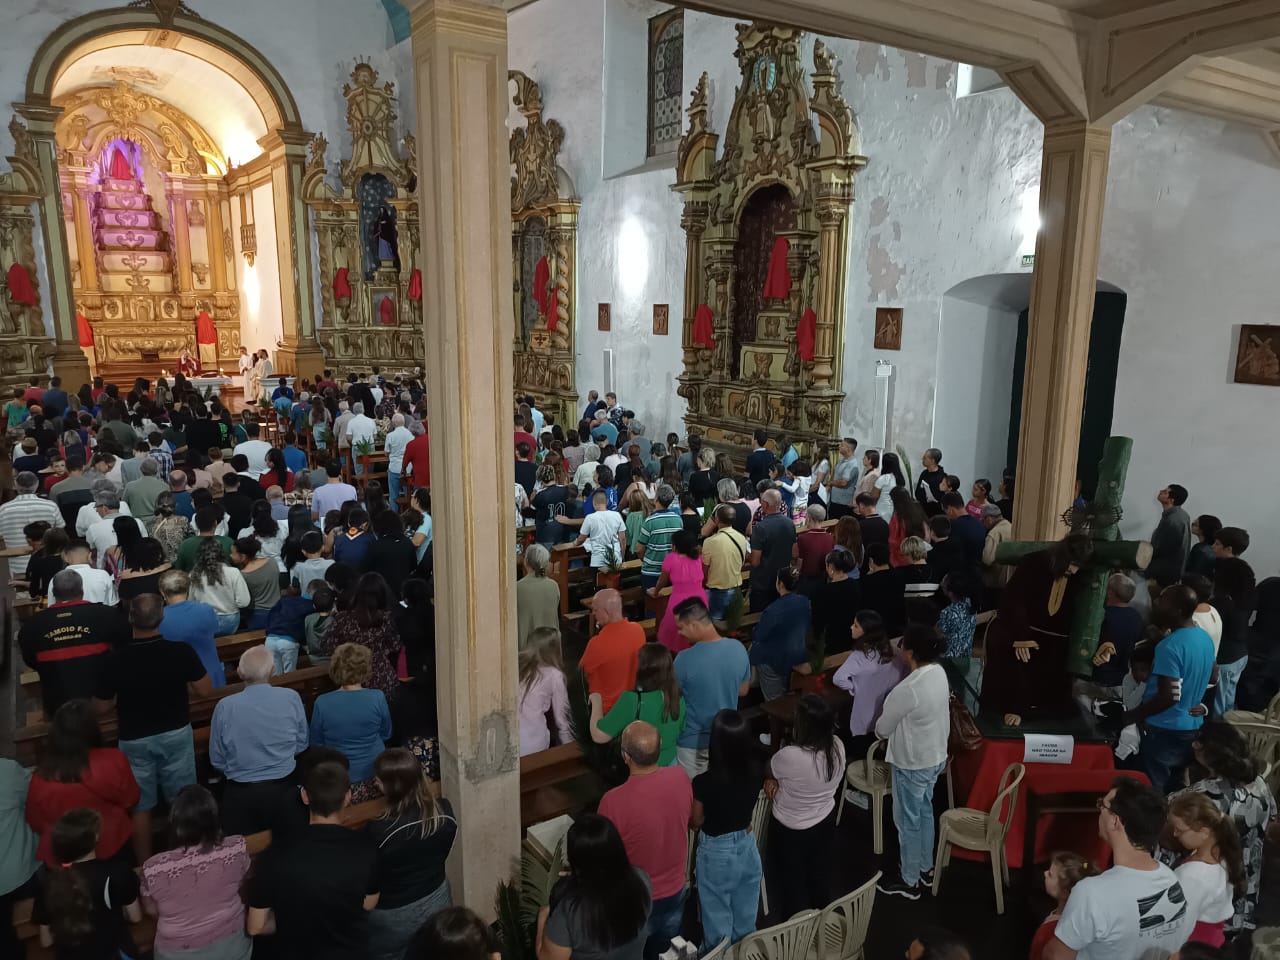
column 772, row 538
column 610, row 658
column 651, row 810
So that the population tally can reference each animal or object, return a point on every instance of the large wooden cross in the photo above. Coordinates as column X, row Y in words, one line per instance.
column 1100, row 520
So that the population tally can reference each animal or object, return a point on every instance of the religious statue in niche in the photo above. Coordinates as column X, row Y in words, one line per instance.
column 379, row 235
column 1258, row 355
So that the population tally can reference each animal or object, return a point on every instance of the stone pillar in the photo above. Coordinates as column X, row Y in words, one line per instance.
column 69, row 361
column 460, row 73
column 1073, row 187
column 300, row 353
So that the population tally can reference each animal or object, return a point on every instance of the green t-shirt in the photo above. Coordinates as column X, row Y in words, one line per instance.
column 186, row 557
column 650, row 710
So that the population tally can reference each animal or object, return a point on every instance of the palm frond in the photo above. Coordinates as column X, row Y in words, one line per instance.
column 905, row 462
column 509, row 926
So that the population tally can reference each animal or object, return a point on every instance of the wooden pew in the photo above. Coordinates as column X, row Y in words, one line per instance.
column 562, row 554
column 310, row 683
column 233, row 645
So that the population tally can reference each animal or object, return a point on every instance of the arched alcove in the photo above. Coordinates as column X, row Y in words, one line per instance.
column 981, row 360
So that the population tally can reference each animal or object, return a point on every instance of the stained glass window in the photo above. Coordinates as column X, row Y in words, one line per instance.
column 666, row 81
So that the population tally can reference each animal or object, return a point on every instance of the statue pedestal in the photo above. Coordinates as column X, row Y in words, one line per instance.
column 300, row 358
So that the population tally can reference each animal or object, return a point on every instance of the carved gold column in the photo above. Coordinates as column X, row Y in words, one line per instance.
column 69, row 361
column 694, row 221
column 299, row 354
column 181, row 232
column 1073, row 188
column 833, row 255
column 87, row 253
column 460, row 71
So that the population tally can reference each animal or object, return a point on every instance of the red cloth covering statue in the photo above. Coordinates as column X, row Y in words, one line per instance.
column 387, row 312
column 806, row 334
column 415, row 285
column 1034, row 622
column 704, row 328
column 84, row 330
column 120, row 169
column 777, row 284
column 206, row 342
column 541, row 280
column 20, row 288
column 341, row 285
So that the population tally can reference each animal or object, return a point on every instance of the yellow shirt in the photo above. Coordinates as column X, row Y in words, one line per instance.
column 723, row 554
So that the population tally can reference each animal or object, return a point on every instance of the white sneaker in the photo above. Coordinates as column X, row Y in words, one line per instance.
column 857, row 798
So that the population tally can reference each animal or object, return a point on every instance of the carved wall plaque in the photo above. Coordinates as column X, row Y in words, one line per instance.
column 661, row 318
column 888, row 328
column 603, row 316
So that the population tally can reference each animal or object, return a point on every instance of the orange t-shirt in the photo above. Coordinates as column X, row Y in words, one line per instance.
column 610, row 660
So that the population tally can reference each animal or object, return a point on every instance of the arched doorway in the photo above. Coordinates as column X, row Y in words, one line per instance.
column 981, row 362
column 218, row 184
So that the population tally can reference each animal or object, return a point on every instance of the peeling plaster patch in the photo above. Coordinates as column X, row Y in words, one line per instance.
column 879, row 211
column 882, row 273
column 942, row 79
column 871, row 58
column 897, row 230
column 917, row 68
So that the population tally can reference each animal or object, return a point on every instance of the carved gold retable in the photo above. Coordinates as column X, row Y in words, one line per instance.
column 352, row 332
column 778, row 133
column 544, row 223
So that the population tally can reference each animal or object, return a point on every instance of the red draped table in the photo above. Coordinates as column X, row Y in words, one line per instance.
column 976, row 775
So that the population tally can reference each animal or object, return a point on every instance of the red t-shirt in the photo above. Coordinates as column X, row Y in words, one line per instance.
column 418, row 453
column 32, row 393
column 1044, row 933
column 269, row 479
column 813, row 547
column 522, row 437
column 610, row 660
column 652, row 814
column 106, row 785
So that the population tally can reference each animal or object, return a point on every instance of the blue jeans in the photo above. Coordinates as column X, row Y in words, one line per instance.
column 393, row 487
column 285, row 650
column 228, row 623
column 649, row 580
column 166, row 761
column 664, row 923
column 729, row 875
column 1224, row 698
column 1164, row 755
column 913, row 816
column 718, row 602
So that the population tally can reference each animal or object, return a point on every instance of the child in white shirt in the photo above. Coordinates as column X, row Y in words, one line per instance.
column 797, row 485
column 602, row 528
column 1213, row 871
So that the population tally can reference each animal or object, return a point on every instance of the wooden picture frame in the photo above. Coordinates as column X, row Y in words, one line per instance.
column 888, row 334
column 661, row 319
column 377, row 294
column 1258, row 355
column 603, row 317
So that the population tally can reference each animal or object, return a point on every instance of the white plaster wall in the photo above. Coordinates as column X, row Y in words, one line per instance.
column 1189, row 233
column 261, row 320
column 976, row 343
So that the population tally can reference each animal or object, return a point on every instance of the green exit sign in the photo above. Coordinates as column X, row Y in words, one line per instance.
column 1028, row 259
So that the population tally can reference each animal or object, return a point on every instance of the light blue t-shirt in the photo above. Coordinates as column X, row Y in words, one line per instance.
column 710, row 674
column 425, row 529
column 1185, row 654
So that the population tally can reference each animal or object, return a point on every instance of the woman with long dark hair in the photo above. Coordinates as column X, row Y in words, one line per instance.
column 890, row 479
column 869, row 673
column 124, row 554
column 655, row 700
column 454, row 933
column 298, row 524
column 601, row 909
column 262, row 579
column 86, row 903
column 193, row 889
column 802, row 782
column 413, row 837
column 279, row 475
column 367, row 621
column 143, row 573
column 268, row 531
column 915, row 720
column 724, row 798
column 836, row 601
column 76, row 770
column 908, row 520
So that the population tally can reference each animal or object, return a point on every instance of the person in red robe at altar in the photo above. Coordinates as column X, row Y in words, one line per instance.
column 1026, row 673
column 187, row 365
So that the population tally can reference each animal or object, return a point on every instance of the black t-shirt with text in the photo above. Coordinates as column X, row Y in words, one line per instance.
column 148, row 678
column 70, row 645
column 316, row 887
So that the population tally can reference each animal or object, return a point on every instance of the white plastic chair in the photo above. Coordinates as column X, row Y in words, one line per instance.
column 760, row 818
column 982, row 830
column 721, row 949
column 873, row 777
column 842, row 928
column 790, row 940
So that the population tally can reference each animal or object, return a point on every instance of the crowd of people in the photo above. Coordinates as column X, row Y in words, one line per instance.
column 156, row 522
